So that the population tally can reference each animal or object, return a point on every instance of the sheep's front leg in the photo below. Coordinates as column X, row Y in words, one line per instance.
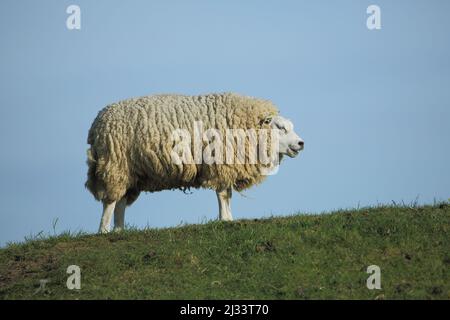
column 119, row 214
column 224, row 198
column 108, row 209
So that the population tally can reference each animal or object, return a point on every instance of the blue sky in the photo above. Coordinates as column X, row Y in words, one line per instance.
column 372, row 106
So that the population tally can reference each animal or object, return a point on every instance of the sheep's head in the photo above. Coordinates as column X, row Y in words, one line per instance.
column 290, row 143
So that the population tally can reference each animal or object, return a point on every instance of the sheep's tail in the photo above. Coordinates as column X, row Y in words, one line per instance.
column 91, row 183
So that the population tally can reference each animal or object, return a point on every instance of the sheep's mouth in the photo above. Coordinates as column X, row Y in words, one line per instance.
column 293, row 152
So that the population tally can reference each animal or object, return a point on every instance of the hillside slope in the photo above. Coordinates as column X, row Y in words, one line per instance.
column 295, row 257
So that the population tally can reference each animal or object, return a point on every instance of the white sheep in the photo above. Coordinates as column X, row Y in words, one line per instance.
column 133, row 148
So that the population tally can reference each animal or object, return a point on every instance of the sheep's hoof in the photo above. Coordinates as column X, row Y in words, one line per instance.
column 103, row 231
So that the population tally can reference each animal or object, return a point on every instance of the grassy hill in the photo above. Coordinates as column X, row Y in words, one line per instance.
column 294, row 257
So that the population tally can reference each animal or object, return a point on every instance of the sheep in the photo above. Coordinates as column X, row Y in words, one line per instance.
column 132, row 145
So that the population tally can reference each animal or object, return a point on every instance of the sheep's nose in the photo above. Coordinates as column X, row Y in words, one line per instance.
column 301, row 143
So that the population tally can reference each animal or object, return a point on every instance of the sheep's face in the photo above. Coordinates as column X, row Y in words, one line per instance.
column 290, row 143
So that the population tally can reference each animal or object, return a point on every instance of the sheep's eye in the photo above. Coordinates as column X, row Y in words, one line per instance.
column 267, row 120
column 283, row 129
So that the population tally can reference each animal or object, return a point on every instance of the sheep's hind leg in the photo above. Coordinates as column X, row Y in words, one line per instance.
column 224, row 198
column 105, row 222
column 119, row 214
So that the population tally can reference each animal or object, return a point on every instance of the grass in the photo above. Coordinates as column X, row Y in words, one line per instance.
column 295, row 257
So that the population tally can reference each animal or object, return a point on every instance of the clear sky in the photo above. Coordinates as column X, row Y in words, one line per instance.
column 373, row 106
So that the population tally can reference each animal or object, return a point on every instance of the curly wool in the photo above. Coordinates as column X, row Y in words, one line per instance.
column 131, row 144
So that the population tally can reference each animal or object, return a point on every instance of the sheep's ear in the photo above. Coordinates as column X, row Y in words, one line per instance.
column 266, row 120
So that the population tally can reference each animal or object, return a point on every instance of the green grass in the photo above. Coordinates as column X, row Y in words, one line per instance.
column 295, row 257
